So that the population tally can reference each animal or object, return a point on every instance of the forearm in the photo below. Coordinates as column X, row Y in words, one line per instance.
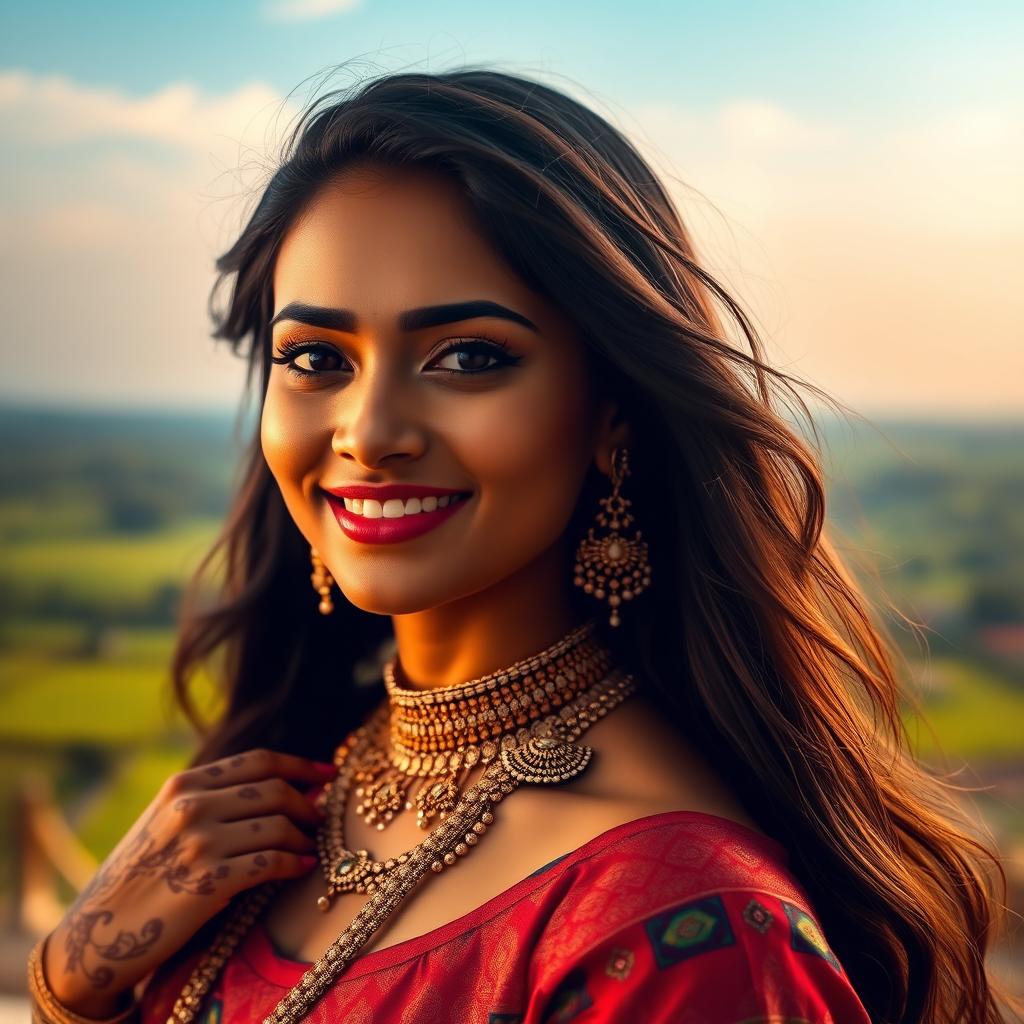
column 64, row 1003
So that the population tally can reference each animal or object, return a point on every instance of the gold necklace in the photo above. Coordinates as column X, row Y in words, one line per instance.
column 548, row 756
column 535, row 752
column 442, row 734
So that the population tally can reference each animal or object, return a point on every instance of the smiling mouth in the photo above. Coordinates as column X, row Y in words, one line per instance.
column 370, row 521
column 397, row 508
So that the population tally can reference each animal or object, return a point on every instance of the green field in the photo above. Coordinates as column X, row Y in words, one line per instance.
column 977, row 716
column 106, row 571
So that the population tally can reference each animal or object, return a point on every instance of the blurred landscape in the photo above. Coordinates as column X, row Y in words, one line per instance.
column 103, row 517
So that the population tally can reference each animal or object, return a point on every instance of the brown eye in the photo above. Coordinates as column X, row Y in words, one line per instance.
column 475, row 356
column 317, row 358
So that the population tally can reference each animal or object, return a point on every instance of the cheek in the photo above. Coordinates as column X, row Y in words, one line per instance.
column 529, row 456
column 293, row 450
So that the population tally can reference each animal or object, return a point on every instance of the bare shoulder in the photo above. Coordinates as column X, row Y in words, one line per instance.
column 641, row 766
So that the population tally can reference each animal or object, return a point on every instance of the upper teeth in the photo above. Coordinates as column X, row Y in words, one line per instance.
column 395, row 508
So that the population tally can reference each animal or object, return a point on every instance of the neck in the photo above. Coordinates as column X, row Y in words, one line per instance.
column 486, row 631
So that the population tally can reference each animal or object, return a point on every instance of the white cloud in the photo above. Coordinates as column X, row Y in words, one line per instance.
column 117, row 241
column 308, row 10
column 52, row 110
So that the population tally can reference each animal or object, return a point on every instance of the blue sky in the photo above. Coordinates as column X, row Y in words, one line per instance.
column 824, row 57
column 858, row 169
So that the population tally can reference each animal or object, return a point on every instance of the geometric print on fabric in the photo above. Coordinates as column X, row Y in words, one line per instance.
column 569, row 999
column 758, row 916
column 806, row 935
column 689, row 930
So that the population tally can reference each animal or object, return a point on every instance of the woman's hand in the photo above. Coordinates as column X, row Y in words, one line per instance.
column 209, row 833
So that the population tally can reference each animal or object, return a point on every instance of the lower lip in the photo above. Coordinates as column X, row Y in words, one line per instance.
column 390, row 531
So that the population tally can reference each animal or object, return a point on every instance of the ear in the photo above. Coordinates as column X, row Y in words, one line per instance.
column 612, row 432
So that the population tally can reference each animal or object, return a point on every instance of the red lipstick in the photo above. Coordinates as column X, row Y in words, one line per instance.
column 387, row 530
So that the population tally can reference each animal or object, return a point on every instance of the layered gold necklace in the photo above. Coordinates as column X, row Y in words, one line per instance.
column 519, row 723
column 432, row 739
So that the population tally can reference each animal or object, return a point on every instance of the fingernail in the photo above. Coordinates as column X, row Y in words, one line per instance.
column 324, row 768
column 307, row 860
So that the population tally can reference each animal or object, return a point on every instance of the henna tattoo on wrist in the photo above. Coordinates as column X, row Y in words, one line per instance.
column 140, row 856
column 125, row 946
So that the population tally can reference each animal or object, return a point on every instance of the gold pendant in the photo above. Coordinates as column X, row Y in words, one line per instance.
column 546, row 759
column 383, row 799
column 434, row 798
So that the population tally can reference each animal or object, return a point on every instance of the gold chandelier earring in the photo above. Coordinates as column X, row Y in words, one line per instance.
column 322, row 582
column 613, row 568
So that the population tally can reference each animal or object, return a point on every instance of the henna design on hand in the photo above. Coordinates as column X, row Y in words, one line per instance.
column 141, row 857
column 214, row 770
column 249, row 793
column 164, row 864
column 126, row 945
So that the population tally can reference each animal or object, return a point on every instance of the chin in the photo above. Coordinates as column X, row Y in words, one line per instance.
column 394, row 590
column 397, row 598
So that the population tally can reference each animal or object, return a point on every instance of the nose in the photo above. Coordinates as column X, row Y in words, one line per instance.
column 376, row 421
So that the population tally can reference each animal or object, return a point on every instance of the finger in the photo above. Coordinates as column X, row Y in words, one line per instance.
column 269, row 796
column 268, row 865
column 273, row 831
column 256, row 765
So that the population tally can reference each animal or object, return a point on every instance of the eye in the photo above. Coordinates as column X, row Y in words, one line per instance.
column 471, row 356
column 321, row 358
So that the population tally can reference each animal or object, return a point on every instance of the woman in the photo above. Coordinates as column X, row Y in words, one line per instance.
column 636, row 752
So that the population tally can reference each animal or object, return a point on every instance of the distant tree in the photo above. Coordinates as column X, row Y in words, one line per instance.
column 163, row 604
column 996, row 603
column 136, row 513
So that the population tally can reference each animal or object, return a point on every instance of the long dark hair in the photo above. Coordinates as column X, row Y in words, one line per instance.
column 753, row 638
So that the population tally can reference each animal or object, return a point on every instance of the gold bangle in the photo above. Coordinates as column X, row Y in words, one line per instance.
column 47, row 1009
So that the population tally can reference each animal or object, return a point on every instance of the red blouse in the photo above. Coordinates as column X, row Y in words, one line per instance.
column 681, row 916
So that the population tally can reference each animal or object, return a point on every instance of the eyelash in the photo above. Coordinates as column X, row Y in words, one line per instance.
column 290, row 349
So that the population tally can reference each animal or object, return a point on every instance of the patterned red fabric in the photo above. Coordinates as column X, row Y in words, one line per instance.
column 681, row 916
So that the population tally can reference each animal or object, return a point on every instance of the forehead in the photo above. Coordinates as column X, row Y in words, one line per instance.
column 379, row 237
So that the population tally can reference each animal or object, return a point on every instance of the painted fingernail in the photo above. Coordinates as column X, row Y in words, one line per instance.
column 307, row 861
column 324, row 768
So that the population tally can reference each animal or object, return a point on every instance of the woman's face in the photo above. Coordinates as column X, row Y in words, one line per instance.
column 410, row 393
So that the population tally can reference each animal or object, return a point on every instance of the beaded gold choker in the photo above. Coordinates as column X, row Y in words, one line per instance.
column 442, row 734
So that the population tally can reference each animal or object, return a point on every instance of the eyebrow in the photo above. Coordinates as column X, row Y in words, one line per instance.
column 411, row 320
